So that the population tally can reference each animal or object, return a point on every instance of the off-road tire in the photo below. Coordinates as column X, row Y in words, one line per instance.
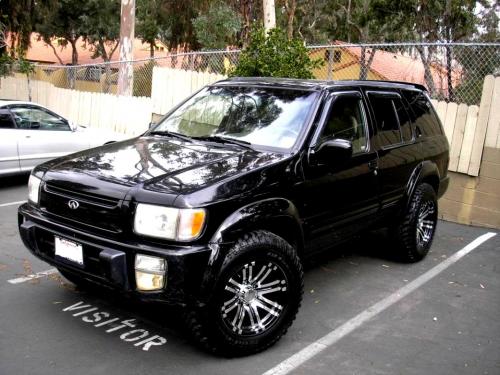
column 409, row 247
column 208, row 325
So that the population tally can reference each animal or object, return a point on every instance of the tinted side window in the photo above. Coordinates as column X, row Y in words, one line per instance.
column 404, row 120
column 346, row 121
column 423, row 115
column 386, row 118
column 6, row 120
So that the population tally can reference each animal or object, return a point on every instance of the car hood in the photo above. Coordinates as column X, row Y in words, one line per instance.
column 154, row 166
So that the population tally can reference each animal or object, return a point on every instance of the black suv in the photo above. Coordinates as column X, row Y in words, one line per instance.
column 216, row 206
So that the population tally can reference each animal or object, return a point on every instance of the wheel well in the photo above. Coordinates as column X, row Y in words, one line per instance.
column 287, row 229
column 432, row 180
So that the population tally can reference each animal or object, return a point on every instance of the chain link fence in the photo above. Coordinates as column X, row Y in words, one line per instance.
column 452, row 72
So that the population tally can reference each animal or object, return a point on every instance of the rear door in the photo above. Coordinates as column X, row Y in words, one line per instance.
column 43, row 135
column 9, row 159
column 395, row 144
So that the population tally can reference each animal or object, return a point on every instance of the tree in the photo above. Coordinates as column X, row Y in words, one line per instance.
column 433, row 21
column 217, row 28
column 101, row 23
column 151, row 22
column 18, row 16
column 59, row 25
column 274, row 55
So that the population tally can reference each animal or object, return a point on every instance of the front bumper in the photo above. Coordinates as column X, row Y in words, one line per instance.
column 110, row 263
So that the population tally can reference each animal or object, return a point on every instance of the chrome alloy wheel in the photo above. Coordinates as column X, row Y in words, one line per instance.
column 426, row 223
column 255, row 297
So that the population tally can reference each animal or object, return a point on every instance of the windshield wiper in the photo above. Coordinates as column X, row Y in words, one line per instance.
column 219, row 139
column 171, row 134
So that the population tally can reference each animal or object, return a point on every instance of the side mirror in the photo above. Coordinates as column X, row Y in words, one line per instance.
column 333, row 152
column 73, row 126
column 35, row 125
column 152, row 125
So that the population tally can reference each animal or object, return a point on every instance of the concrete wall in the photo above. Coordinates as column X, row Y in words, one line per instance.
column 475, row 200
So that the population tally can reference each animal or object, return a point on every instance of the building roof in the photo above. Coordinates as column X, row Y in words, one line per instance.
column 42, row 53
column 395, row 66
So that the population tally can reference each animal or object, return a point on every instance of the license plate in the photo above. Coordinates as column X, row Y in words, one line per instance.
column 68, row 250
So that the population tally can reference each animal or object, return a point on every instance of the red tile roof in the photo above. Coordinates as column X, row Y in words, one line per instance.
column 395, row 66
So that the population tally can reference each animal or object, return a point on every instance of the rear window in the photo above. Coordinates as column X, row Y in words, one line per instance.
column 424, row 117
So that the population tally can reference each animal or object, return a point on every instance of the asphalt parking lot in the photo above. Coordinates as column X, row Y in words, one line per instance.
column 363, row 313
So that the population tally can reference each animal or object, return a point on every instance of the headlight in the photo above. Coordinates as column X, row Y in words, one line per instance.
column 169, row 223
column 34, row 189
column 150, row 272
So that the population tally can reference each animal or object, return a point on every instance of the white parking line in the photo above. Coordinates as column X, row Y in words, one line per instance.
column 11, row 203
column 331, row 338
column 37, row 275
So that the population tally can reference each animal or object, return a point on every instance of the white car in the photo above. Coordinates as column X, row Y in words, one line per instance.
column 31, row 134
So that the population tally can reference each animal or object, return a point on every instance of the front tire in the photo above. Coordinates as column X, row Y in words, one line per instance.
column 255, row 300
column 415, row 233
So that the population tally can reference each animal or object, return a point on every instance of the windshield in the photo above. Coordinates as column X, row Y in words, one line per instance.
column 261, row 116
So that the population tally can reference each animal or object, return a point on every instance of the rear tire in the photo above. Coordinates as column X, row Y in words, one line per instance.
column 416, row 230
column 255, row 299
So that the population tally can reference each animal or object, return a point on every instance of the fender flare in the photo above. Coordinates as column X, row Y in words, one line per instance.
column 426, row 171
column 278, row 215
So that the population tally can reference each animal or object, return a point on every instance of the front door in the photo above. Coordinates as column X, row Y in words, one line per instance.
column 341, row 198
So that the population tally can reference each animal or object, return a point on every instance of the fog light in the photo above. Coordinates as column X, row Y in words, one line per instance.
column 149, row 272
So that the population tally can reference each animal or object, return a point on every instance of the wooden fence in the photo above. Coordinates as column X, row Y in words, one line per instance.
column 170, row 86
column 123, row 114
column 470, row 128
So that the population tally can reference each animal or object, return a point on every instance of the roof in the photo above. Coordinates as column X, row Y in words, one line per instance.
column 396, row 66
column 318, row 84
column 41, row 52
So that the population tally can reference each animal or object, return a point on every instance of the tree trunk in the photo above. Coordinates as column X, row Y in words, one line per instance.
column 290, row 6
column 107, row 78
column 29, row 86
column 269, row 14
column 126, row 70
column 451, row 94
column 74, row 61
column 429, row 80
column 151, row 50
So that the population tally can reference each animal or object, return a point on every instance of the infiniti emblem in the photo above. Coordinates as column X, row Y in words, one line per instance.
column 73, row 204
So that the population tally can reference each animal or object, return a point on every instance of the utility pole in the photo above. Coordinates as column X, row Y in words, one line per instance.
column 269, row 14
column 126, row 70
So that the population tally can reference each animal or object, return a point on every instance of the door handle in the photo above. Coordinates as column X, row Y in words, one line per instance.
column 373, row 166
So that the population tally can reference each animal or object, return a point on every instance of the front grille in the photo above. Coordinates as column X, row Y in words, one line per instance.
column 99, row 213
column 88, row 198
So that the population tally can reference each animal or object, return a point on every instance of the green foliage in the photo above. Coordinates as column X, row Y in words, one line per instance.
column 217, row 28
column 25, row 67
column 143, row 78
column 273, row 55
column 101, row 23
column 62, row 20
column 6, row 65
column 151, row 21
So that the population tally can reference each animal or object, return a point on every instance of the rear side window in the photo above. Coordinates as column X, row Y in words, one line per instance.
column 423, row 115
column 391, row 116
column 386, row 118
